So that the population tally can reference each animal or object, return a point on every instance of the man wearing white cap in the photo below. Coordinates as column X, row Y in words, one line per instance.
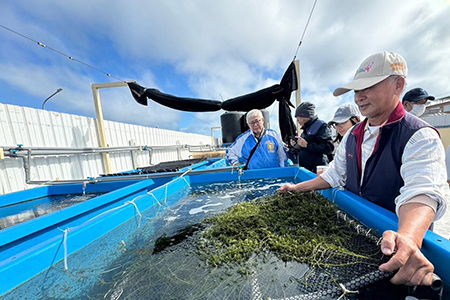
column 393, row 159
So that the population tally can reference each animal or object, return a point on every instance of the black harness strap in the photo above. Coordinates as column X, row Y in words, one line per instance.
column 253, row 150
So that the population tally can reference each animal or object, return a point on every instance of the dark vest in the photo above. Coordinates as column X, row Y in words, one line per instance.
column 309, row 159
column 382, row 181
column 312, row 129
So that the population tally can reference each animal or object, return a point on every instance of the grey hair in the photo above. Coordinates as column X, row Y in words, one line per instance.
column 393, row 78
column 254, row 113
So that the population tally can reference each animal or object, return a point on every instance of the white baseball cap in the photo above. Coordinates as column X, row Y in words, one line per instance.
column 375, row 69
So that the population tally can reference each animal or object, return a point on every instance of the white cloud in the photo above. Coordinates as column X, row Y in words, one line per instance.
column 211, row 49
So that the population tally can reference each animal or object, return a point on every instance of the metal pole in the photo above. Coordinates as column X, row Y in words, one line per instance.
column 298, row 94
column 213, row 142
column 100, row 122
column 48, row 98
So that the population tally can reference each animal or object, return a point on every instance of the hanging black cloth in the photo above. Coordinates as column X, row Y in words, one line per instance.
column 257, row 100
column 140, row 94
column 289, row 83
column 288, row 128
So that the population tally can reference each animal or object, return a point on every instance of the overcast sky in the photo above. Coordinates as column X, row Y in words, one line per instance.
column 209, row 49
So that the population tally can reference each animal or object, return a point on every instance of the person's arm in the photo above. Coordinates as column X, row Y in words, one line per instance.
column 234, row 152
column 333, row 177
column 413, row 267
column 422, row 199
column 281, row 151
column 311, row 185
column 322, row 143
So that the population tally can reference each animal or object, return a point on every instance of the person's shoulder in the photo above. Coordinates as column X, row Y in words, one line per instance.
column 427, row 132
column 426, row 136
column 271, row 132
column 244, row 134
column 322, row 121
column 241, row 138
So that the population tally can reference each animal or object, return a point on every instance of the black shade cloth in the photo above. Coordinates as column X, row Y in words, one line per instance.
column 140, row 94
column 287, row 125
column 257, row 100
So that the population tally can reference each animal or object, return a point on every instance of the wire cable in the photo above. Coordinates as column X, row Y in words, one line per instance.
column 78, row 61
column 304, row 31
column 61, row 53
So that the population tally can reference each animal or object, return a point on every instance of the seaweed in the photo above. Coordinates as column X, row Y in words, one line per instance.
column 299, row 227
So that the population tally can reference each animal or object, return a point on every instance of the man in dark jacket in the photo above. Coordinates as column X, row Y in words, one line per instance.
column 315, row 144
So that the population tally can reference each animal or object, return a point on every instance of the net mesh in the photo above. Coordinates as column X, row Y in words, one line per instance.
column 297, row 246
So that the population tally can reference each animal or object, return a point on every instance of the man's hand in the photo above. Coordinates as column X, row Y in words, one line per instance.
column 286, row 188
column 302, row 142
column 413, row 267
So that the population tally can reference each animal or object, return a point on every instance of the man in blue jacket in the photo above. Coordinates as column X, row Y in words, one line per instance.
column 315, row 144
column 393, row 159
column 258, row 147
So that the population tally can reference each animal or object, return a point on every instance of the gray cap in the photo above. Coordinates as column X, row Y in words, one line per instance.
column 344, row 113
column 305, row 110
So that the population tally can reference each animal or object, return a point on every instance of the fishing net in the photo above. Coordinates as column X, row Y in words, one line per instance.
column 293, row 246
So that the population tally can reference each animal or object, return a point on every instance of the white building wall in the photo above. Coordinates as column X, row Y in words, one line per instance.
column 40, row 128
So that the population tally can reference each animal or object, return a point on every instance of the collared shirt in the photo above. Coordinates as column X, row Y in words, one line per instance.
column 423, row 167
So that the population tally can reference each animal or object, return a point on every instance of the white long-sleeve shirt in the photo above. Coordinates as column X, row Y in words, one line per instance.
column 423, row 167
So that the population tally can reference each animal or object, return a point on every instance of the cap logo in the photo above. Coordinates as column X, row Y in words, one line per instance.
column 366, row 69
column 397, row 67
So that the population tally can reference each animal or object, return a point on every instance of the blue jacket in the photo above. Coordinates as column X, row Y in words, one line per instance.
column 270, row 152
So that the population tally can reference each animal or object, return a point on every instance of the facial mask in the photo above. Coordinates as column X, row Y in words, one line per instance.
column 418, row 109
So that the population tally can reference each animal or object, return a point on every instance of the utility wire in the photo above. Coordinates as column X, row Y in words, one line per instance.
column 304, row 31
column 60, row 53
column 192, row 116
column 79, row 61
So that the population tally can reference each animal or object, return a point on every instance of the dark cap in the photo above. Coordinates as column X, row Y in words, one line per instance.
column 305, row 110
column 416, row 94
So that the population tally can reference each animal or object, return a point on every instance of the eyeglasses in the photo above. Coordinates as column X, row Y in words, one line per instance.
column 254, row 122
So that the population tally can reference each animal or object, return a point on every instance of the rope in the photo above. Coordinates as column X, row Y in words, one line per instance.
column 304, row 31
column 151, row 194
column 66, row 231
column 345, row 291
column 137, row 209
column 182, row 176
column 334, row 195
